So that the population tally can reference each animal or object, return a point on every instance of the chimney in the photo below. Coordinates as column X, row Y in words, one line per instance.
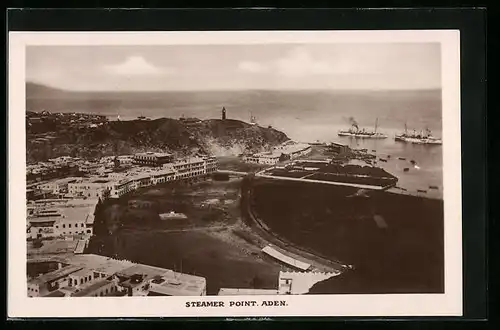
column 223, row 113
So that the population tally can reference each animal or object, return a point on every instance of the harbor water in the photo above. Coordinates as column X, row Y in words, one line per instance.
column 305, row 116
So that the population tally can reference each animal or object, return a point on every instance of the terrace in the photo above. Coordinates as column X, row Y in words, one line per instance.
column 320, row 171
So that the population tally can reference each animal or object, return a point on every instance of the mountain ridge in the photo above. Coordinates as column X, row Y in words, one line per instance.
column 181, row 137
column 34, row 89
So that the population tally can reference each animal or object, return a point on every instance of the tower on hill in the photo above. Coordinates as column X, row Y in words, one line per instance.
column 223, row 113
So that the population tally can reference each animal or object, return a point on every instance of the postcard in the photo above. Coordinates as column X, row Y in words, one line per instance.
column 234, row 174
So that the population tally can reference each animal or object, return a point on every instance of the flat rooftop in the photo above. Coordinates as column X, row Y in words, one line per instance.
column 179, row 284
column 56, row 274
column 146, row 270
column 156, row 154
column 190, row 160
column 82, row 272
column 98, row 263
column 64, row 202
column 80, row 214
column 269, row 250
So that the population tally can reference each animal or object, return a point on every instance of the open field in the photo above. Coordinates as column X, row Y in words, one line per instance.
column 212, row 242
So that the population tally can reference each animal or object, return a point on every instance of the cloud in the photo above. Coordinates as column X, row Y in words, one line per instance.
column 299, row 62
column 134, row 66
column 252, row 67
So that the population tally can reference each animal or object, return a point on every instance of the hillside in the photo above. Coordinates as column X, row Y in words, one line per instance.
column 34, row 90
column 54, row 137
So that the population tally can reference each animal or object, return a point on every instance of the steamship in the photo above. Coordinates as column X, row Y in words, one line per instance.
column 418, row 138
column 356, row 132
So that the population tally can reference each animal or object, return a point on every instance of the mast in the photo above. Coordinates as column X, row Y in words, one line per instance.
column 376, row 124
column 406, row 129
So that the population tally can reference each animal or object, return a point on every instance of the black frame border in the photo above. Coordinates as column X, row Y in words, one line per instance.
column 470, row 21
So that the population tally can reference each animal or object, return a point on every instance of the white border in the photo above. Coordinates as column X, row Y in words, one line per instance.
column 447, row 304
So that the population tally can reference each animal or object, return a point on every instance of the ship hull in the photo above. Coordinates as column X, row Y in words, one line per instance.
column 363, row 136
column 418, row 141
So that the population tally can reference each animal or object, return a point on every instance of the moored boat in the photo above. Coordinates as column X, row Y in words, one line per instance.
column 417, row 138
column 356, row 132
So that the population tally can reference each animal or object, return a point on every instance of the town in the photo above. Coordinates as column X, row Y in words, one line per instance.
column 63, row 195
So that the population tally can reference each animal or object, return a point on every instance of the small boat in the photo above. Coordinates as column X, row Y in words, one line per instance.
column 383, row 160
column 433, row 187
column 401, row 158
column 422, row 190
column 406, row 169
column 413, row 162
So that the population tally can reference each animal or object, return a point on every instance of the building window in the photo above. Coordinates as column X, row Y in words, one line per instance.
column 81, row 281
column 64, row 226
column 69, row 226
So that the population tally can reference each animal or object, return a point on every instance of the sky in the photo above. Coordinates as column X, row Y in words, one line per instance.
column 397, row 66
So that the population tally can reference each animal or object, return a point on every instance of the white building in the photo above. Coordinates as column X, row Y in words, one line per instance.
column 46, row 283
column 211, row 164
column 140, row 177
column 122, row 186
column 52, row 218
column 166, row 174
column 189, row 168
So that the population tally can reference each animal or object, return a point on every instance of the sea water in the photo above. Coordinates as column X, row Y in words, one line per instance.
column 305, row 116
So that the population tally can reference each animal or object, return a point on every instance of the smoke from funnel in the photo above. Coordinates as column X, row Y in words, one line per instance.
column 353, row 122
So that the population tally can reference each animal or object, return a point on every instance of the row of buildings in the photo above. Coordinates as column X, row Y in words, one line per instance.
column 90, row 275
column 287, row 151
column 71, row 211
column 145, row 170
column 70, row 214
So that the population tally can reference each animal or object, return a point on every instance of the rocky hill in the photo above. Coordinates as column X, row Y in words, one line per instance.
column 50, row 136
